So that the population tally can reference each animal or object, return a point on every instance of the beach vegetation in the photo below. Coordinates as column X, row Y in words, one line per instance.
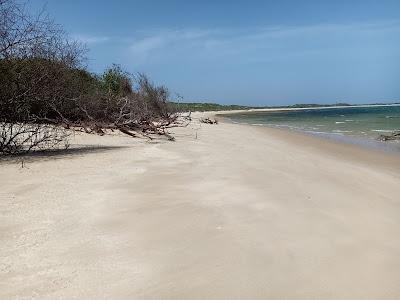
column 46, row 91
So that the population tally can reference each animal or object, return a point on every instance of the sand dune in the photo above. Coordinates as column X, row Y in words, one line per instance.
column 239, row 212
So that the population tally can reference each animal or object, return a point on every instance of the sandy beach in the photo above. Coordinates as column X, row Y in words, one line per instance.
column 226, row 211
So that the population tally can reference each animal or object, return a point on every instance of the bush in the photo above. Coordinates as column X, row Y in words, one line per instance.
column 43, row 86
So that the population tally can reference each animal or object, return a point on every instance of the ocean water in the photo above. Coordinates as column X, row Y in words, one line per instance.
column 361, row 125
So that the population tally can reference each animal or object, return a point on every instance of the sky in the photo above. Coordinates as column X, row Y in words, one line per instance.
column 245, row 52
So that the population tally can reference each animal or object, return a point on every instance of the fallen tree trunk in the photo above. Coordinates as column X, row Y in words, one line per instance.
column 208, row 121
column 391, row 137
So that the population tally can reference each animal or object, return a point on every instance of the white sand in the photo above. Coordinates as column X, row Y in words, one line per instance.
column 239, row 213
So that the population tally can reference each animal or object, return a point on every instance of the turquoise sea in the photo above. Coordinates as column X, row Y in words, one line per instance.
column 352, row 124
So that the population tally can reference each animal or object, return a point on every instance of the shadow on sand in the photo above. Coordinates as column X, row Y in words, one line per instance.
column 57, row 153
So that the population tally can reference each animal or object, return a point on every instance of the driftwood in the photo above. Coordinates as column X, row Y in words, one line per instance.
column 188, row 117
column 208, row 121
column 391, row 137
column 144, row 128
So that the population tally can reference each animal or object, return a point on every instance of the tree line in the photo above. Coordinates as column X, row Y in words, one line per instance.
column 46, row 91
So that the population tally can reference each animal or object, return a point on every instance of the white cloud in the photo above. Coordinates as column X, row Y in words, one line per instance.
column 239, row 45
column 90, row 40
column 233, row 41
column 143, row 47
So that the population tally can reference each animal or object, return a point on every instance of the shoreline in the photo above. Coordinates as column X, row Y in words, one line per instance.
column 272, row 109
column 391, row 148
column 377, row 156
column 226, row 211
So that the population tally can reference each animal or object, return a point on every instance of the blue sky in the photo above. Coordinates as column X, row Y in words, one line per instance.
column 246, row 52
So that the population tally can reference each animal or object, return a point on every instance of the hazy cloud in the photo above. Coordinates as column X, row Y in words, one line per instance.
column 90, row 40
column 227, row 42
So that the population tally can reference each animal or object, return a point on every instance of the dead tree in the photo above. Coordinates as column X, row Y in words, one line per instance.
column 391, row 137
column 208, row 121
